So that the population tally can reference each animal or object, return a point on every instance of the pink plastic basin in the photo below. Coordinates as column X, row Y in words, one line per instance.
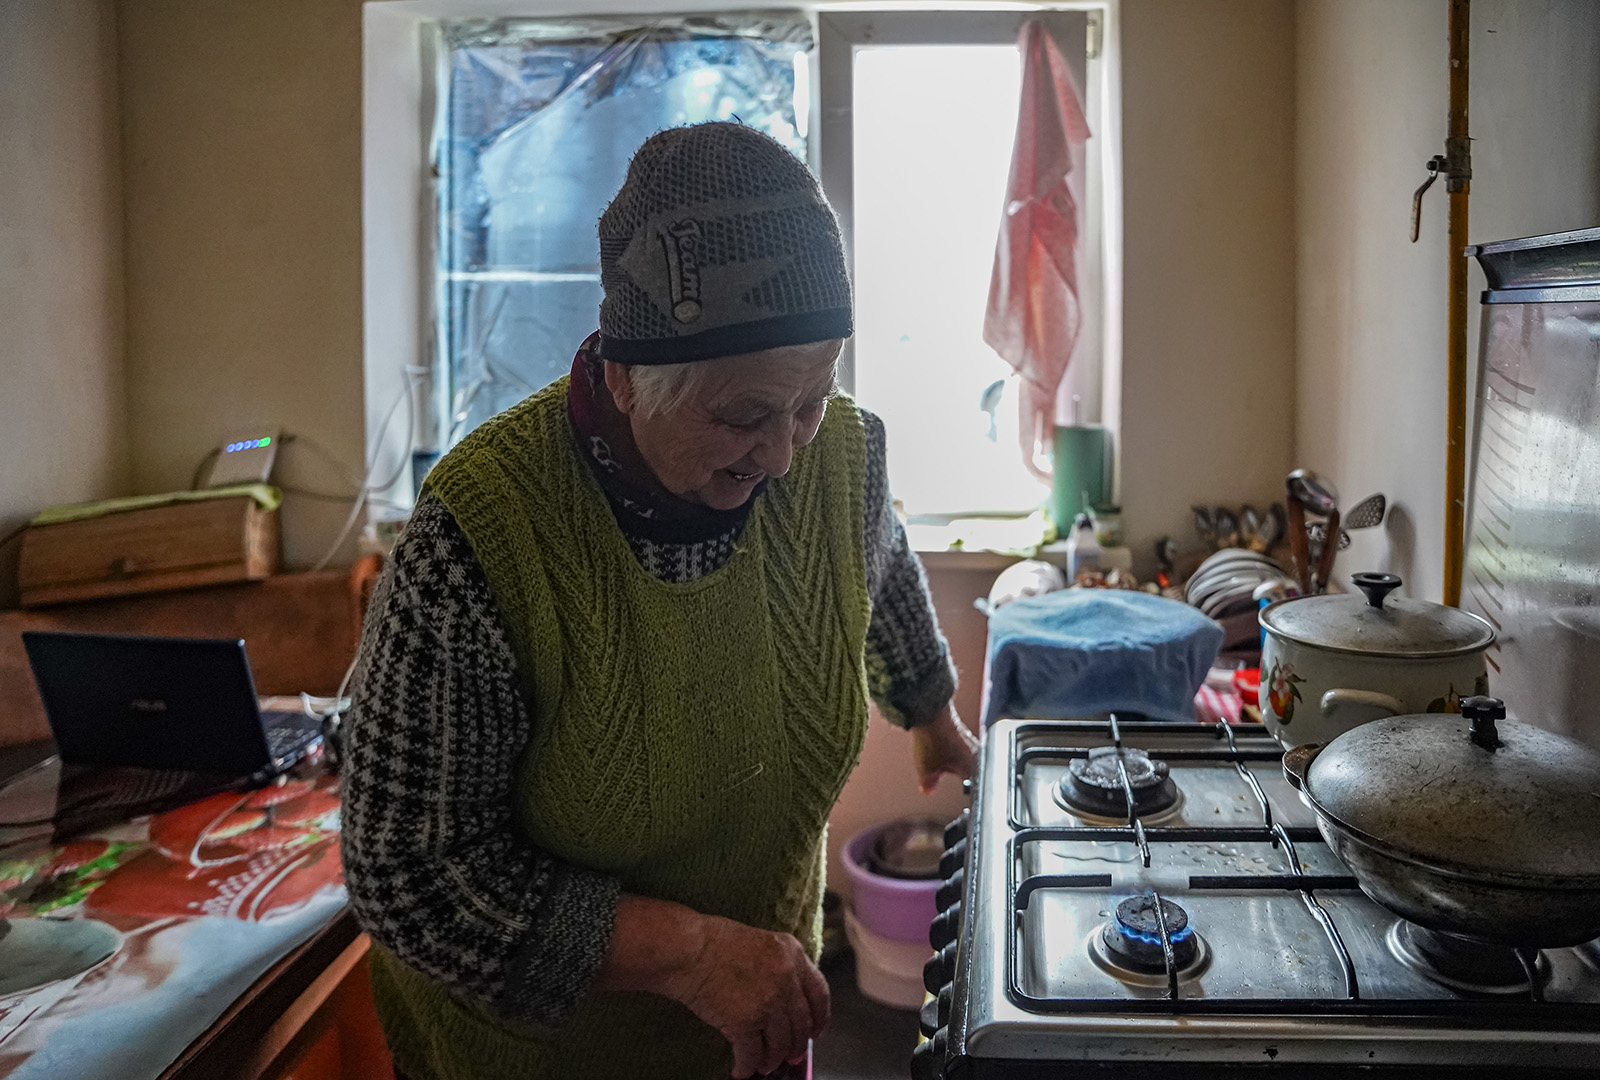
column 889, row 907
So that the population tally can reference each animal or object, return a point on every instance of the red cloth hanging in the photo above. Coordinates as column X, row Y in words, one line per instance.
column 1033, row 316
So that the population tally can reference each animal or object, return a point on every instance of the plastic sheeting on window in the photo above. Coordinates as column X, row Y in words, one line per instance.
column 538, row 119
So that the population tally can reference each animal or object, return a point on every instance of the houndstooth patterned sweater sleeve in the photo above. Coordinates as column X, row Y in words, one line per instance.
column 909, row 673
column 437, row 872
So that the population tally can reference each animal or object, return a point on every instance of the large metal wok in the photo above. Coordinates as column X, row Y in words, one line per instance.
column 1464, row 825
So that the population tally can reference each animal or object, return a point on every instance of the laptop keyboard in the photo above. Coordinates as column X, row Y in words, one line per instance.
column 289, row 732
column 91, row 797
column 106, row 789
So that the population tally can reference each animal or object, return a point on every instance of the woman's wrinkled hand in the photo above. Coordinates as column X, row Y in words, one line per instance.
column 943, row 745
column 758, row 988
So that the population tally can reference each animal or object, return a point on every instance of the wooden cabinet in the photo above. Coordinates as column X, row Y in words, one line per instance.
column 178, row 546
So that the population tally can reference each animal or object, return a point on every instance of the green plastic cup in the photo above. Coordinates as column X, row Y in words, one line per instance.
column 1082, row 472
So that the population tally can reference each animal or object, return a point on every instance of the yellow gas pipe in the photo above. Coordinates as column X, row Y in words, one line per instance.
column 1458, row 174
column 1455, row 165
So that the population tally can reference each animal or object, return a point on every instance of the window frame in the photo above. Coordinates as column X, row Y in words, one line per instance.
column 399, row 69
column 841, row 33
column 763, row 31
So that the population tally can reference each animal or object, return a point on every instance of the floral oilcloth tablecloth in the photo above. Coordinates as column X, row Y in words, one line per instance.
column 203, row 900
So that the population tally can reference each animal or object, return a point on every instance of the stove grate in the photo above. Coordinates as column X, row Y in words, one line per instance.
column 1270, row 832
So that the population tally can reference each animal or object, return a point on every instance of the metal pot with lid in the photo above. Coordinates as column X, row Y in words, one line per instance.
column 1330, row 663
column 1468, row 825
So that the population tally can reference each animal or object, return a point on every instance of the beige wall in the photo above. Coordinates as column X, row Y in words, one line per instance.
column 1371, row 108
column 242, row 152
column 62, row 429
column 1209, row 279
column 1372, row 98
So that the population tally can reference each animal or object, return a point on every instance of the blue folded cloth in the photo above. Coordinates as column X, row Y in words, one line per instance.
column 1079, row 652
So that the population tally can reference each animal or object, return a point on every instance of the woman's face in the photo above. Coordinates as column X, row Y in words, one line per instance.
column 746, row 418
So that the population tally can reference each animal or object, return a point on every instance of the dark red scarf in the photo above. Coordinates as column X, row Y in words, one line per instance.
column 642, row 506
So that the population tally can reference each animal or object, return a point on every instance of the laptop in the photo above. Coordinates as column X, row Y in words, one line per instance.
column 178, row 704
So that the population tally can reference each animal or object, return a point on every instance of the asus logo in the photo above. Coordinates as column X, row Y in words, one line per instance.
column 149, row 705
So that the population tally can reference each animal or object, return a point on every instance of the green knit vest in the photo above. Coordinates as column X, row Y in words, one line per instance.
column 688, row 739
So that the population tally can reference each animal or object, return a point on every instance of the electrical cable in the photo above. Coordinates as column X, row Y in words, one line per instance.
column 365, row 489
column 294, row 489
column 327, row 455
column 325, row 496
column 199, row 470
column 32, row 823
column 344, row 531
column 340, row 703
column 333, row 460
column 405, row 397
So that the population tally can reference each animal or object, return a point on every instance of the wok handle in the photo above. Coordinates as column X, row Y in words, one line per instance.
column 1297, row 762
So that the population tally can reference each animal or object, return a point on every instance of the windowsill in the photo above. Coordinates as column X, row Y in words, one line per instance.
column 958, row 559
column 976, row 544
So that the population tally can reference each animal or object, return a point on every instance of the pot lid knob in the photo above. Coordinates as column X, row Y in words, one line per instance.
column 1483, row 712
column 1376, row 586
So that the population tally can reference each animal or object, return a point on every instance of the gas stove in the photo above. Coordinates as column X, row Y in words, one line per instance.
column 1153, row 899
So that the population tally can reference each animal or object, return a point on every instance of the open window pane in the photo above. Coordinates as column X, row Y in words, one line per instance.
column 933, row 130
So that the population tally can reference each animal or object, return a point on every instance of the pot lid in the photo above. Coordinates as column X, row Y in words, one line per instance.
column 1468, row 793
column 1377, row 624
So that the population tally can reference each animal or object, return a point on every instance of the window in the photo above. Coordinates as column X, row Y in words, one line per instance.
column 535, row 121
column 919, row 168
column 932, row 155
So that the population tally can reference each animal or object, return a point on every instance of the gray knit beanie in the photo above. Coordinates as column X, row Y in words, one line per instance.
column 720, row 242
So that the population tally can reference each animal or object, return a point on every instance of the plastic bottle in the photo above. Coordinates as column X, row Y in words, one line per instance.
column 1083, row 551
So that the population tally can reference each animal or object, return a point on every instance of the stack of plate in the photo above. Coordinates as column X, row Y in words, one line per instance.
column 1225, row 583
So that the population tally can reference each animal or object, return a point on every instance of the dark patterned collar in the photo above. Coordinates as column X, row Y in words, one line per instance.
column 642, row 506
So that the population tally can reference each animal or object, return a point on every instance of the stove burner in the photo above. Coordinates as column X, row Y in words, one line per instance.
column 1461, row 963
column 1133, row 937
column 1092, row 784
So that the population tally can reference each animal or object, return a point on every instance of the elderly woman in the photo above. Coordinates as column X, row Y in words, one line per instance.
column 617, row 670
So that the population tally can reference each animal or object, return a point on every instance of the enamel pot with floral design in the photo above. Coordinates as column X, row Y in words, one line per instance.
column 1333, row 662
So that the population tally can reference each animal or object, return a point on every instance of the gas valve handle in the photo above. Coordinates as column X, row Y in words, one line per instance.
column 956, row 831
column 939, row 969
column 950, row 889
column 928, row 1059
column 1435, row 165
column 945, row 927
column 953, row 858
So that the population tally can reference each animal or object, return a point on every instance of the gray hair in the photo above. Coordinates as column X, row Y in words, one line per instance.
column 662, row 388
column 658, row 389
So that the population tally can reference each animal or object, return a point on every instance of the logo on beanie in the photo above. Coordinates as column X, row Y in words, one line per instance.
column 681, row 241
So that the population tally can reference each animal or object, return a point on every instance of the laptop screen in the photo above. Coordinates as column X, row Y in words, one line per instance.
column 156, row 703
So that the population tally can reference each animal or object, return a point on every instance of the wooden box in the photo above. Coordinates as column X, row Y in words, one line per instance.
column 178, row 546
